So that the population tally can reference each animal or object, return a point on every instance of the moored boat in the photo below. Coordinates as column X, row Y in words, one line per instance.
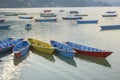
column 41, row 46
column 4, row 26
column 71, row 18
column 48, row 15
column 7, row 46
column 25, row 17
column 46, row 20
column 109, row 15
column 110, row 27
column 5, row 40
column 28, row 26
column 21, row 48
column 110, row 12
column 87, row 21
column 89, row 51
column 63, row 49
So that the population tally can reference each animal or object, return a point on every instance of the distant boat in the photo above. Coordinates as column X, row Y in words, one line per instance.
column 21, row 48
column 110, row 27
column 87, row 21
column 5, row 40
column 71, row 18
column 74, row 12
column 111, row 12
column 109, row 15
column 61, row 10
column 81, row 14
column 25, row 17
column 28, row 26
column 4, row 26
column 41, row 46
column 2, row 20
column 12, row 14
column 48, row 15
column 46, row 20
column 63, row 49
column 7, row 46
column 89, row 51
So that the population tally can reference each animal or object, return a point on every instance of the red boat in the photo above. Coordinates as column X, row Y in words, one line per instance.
column 81, row 49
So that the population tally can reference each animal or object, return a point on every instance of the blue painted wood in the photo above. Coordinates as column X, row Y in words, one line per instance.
column 7, row 46
column 21, row 48
column 5, row 40
column 110, row 27
column 45, row 20
column 63, row 49
column 87, row 21
column 4, row 26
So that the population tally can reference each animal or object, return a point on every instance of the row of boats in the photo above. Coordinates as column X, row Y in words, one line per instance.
column 20, row 47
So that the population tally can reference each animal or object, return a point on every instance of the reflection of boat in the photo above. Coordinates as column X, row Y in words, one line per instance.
column 110, row 27
column 46, row 20
column 7, row 46
column 71, row 18
column 21, row 48
column 4, row 26
column 63, row 49
column 89, row 51
column 41, row 46
column 67, row 60
column 100, row 61
column 46, row 56
column 87, row 21
column 20, row 59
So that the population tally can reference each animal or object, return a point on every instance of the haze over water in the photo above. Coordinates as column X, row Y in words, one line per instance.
column 40, row 66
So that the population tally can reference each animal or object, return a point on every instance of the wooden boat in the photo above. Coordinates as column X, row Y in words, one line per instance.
column 110, row 27
column 109, row 15
column 81, row 14
column 46, row 20
column 63, row 49
column 48, row 15
column 71, row 18
column 110, row 12
column 12, row 14
column 5, row 40
column 41, row 46
column 87, row 21
column 7, row 46
column 21, row 48
column 89, row 51
column 4, row 26
column 2, row 20
column 73, row 12
column 28, row 26
column 25, row 17
column 61, row 10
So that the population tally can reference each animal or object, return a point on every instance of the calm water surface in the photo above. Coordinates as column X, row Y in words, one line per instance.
column 40, row 66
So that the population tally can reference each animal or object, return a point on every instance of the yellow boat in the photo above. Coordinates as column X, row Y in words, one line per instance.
column 41, row 46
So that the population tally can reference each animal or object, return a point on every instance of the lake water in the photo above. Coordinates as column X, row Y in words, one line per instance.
column 40, row 66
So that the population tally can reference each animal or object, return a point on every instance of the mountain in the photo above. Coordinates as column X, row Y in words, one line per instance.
column 49, row 3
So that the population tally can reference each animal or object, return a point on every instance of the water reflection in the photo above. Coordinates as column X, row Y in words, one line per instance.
column 20, row 59
column 100, row 61
column 66, row 59
column 49, row 57
column 5, row 54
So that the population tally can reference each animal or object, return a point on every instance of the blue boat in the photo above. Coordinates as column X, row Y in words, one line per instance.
column 21, row 48
column 87, row 21
column 5, row 40
column 46, row 20
column 25, row 17
column 7, row 46
column 4, row 26
column 63, row 49
column 71, row 18
column 110, row 27
column 28, row 26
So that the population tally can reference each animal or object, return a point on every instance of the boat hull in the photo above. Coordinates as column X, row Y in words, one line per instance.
column 110, row 27
column 4, row 26
column 25, row 17
column 87, row 21
column 109, row 15
column 89, row 51
column 71, row 18
column 45, row 20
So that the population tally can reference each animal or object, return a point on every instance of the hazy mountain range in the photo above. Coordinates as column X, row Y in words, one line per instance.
column 55, row 3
